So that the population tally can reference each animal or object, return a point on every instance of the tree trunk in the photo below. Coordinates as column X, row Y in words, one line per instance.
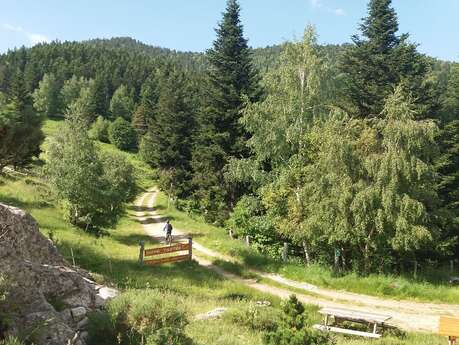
column 307, row 258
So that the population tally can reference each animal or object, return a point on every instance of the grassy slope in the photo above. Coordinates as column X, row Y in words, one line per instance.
column 112, row 258
column 433, row 287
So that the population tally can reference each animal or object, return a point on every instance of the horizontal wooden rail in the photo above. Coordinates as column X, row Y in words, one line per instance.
column 167, row 260
column 171, row 249
column 179, row 247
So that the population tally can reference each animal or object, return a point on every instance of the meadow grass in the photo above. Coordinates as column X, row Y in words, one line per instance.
column 113, row 260
column 430, row 286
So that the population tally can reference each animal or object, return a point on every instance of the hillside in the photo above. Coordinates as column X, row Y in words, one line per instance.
column 194, row 290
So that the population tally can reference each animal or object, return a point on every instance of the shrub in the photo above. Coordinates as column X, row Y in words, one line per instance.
column 99, row 130
column 11, row 341
column 248, row 218
column 254, row 317
column 92, row 186
column 122, row 134
column 119, row 176
column 293, row 328
column 139, row 317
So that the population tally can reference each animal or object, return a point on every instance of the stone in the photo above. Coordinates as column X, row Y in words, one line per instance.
column 83, row 323
column 213, row 314
column 78, row 313
column 107, row 293
column 45, row 288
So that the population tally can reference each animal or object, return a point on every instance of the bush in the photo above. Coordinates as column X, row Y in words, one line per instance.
column 139, row 317
column 91, row 185
column 11, row 341
column 122, row 134
column 249, row 218
column 293, row 328
column 254, row 317
column 120, row 179
column 99, row 130
column 147, row 150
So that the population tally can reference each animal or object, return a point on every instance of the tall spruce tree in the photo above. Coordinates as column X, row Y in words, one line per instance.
column 169, row 137
column 231, row 79
column 375, row 64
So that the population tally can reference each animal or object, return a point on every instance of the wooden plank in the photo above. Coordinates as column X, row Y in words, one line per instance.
column 448, row 326
column 168, row 249
column 346, row 331
column 167, row 260
column 355, row 315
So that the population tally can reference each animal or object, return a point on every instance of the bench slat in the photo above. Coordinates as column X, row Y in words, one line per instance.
column 355, row 315
column 448, row 326
column 346, row 331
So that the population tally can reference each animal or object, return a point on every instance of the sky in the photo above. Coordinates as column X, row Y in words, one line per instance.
column 188, row 25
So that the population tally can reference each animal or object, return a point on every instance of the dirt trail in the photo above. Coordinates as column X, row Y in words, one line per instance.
column 408, row 315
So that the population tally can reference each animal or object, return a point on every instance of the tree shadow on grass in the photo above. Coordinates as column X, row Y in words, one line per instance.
column 128, row 273
column 154, row 219
column 27, row 205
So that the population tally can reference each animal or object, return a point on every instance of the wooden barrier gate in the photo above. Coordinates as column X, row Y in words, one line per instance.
column 449, row 326
column 179, row 247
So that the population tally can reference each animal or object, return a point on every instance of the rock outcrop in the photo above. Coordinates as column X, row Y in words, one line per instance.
column 47, row 294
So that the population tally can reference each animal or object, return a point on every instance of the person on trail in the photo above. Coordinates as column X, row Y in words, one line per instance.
column 168, row 229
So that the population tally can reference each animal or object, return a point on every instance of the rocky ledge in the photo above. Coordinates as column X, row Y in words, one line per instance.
column 45, row 292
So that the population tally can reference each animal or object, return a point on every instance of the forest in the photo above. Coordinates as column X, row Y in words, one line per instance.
column 349, row 153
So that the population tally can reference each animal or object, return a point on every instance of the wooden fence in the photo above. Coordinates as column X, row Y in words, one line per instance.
column 152, row 252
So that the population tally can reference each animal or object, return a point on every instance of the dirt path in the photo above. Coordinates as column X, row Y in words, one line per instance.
column 408, row 315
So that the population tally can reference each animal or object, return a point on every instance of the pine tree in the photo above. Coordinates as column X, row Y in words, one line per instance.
column 139, row 120
column 170, row 133
column 375, row 64
column 20, row 126
column 121, row 104
column 231, row 79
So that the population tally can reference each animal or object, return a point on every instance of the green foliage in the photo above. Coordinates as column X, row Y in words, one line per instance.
column 122, row 134
column 121, row 104
column 46, row 98
column 249, row 218
column 11, row 341
column 20, row 132
column 293, row 329
column 83, row 108
column 369, row 187
column 71, row 90
column 375, row 64
column 447, row 166
column 92, row 187
column 141, row 317
column 99, row 130
column 256, row 317
column 139, row 120
column 231, row 80
column 169, row 139
column 120, row 181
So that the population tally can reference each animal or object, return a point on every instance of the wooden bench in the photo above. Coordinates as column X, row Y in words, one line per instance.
column 449, row 326
column 374, row 321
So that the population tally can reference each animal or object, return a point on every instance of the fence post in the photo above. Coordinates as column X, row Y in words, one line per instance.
column 285, row 252
column 247, row 240
column 190, row 247
column 415, row 272
column 141, row 252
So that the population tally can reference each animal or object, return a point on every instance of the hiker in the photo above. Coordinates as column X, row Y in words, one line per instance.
column 168, row 229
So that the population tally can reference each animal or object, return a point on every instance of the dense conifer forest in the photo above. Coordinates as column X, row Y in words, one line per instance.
column 348, row 152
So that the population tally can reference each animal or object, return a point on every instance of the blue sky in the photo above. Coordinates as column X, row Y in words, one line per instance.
column 189, row 24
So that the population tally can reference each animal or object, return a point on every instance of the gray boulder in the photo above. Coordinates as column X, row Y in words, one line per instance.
column 45, row 291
